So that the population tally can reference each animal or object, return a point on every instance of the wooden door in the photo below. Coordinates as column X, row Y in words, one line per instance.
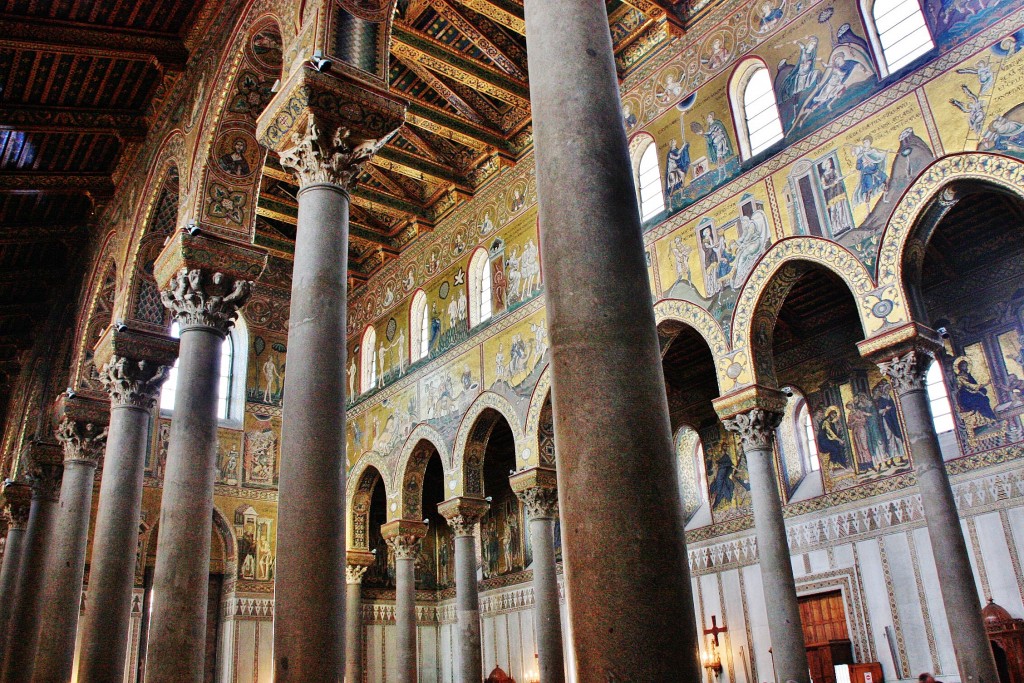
column 826, row 635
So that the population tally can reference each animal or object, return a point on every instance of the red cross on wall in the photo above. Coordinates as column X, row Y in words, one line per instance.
column 715, row 629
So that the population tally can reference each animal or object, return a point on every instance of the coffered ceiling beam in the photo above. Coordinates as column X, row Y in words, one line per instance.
column 503, row 12
column 49, row 35
column 449, row 126
column 402, row 162
column 451, row 97
column 28, row 119
column 413, row 46
column 33, row 234
column 95, row 184
column 466, row 27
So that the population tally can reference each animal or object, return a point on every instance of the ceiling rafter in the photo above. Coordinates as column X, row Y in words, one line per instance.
column 126, row 124
column 49, row 35
column 447, row 125
column 416, row 47
column 399, row 161
column 442, row 89
column 466, row 27
column 503, row 12
column 96, row 184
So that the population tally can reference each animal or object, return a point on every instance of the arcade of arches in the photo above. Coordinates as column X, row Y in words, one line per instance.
column 532, row 340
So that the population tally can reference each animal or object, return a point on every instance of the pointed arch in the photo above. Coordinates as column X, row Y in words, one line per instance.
column 101, row 301
column 536, row 436
column 765, row 291
column 472, row 437
column 928, row 199
column 405, row 500
column 142, row 304
column 365, row 478
column 704, row 324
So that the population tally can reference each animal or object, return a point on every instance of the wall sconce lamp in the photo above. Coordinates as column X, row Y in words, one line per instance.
column 712, row 661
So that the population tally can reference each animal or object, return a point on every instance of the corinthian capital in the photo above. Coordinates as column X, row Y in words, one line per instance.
column 82, row 441
column 404, row 537
column 45, row 479
column 317, row 156
column 756, row 427
column 462, row 514
column 907, row 372
column 537, row 488
column 17, row 500
column 201, row 299
column 133, row 383
column 354, row 573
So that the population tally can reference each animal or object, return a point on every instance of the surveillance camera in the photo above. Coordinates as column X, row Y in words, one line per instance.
column 788, row 391
column 943, row 332
column 320, row 63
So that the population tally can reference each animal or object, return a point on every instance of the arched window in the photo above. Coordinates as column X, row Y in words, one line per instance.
column 230, row 384
column 419, row 327
column 652, row 200
column 368, row 358
column 942, row 411
column 901, row 32
column 755, row 108
column 805, row 430
column 479, row 288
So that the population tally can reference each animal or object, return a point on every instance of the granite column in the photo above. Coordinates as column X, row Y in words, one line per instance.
column 613, row 438
column 133, row 368
column 906, row 369
column 17, row 499
column 358, row 561
column 83, row 433
column 538, row 491
column 756, row 429
column 405, row 538
column 205, row 304
column 326, row 150
column 463, row 516
column 44, row 476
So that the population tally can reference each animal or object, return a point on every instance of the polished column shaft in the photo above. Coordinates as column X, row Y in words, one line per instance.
column 789, row 654
column 23, row 640
column 177, row 636
column 17, row 499
column 612, row 433
column 134, row 386
column 310, row 595
column 404, row 538
column 83, row 443
column 536, row 490
column 975, row 661
column 463, row 516
column 354, row 573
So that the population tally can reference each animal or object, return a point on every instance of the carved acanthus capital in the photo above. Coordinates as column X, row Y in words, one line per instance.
column 756, row 427
column 537, row 488
column 354, row 573
column 462, row 514
column 907, row 372
column 133, row 382
column 331, row 156
column 198, row 298
column 45, row 479
column 404, row 537
column 540, row 502
column 82, row 441
column 17, row 501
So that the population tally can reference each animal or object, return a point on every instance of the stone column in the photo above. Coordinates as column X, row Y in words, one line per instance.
column 83, row 434
column 204, row 302
column 358, row 561
column 17, row 498
column 463, row 516
column 905, row 365
column 44, row 476
column 404, row 538
column 326, row 151
column 537, row 489
column 133, row 367
column 614, row 443
column 756, row 428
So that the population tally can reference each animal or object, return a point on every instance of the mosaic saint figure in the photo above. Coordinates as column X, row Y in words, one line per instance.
column 234, row 162
column 830, row 441
column 681, row 258
column 871, row 165
column 770, row 16
column 805, row 75
column 717, row 139
column 677, row 164
column 753, row 240
column 971, row 395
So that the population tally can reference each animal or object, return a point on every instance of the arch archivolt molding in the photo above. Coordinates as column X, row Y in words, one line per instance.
column 405, row 495
column 368, row 472
column 934, row 187
column 471, row 442
column 530, row 455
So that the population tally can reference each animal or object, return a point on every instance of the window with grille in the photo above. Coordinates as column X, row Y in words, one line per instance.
column 652, row 200
column 761, row 112
column 902, row 32
column 942, row 411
